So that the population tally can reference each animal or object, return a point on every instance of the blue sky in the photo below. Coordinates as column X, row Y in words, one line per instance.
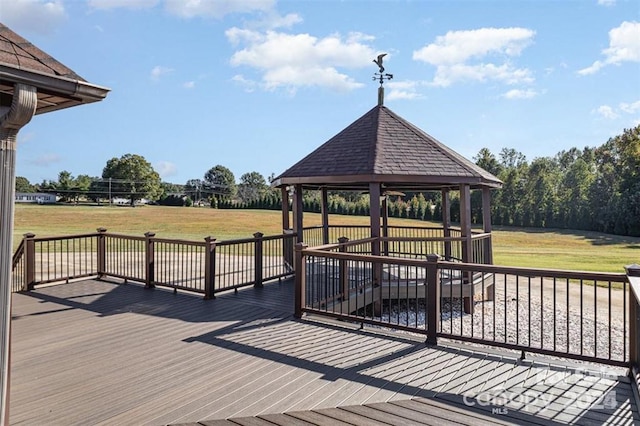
column 255, row 85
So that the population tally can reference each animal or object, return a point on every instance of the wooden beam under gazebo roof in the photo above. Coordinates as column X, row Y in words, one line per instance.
column 382, row 152
column 31, row 82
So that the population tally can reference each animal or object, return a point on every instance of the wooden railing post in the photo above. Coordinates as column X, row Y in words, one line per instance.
column 633, row 275
column 257, row 253
column 102, row 252
column 29, row 261
column 150, row 270
column 210, row 269
column 301, row 278
column 433, row 299
column 344, row 269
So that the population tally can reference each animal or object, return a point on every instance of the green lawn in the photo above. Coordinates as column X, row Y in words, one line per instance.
column 557, row 249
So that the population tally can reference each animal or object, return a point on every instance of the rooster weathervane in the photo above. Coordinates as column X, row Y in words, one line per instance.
column 381, row 76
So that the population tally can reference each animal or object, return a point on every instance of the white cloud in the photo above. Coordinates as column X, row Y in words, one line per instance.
column 193, row 8
column 189, row 84
column 606, row 111
column 249, row 85
column 623, row 109
column 477, row 55
column 631, row 108
column 159, row 71
column 624, row 46
column 128, row 4
column 26, row 137
column 39, row 16
column 215, row 8
column 403, row 90
column 165, row 168
column 46, row 159
column 606, row 2
column 520, row 94
column 291, row 61
column 272, row 20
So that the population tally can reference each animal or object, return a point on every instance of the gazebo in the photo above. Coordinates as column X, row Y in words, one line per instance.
column 381, row 153
column 31, row 82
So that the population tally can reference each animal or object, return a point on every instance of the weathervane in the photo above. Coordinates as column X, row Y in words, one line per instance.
column 381, row 77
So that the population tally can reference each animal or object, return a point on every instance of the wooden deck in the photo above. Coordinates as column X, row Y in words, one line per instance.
column 98, row 353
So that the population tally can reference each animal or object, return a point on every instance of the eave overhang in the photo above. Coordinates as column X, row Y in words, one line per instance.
column 54, row 92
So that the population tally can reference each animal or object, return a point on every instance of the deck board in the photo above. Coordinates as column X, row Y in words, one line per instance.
column 104, row 353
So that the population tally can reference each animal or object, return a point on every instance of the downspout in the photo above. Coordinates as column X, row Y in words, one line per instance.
column 12, row 118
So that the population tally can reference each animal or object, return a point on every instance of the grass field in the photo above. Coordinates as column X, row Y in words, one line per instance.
column 557, row 249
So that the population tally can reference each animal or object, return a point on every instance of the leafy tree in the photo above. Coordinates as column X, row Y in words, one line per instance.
column 488, row 161
column 64, row 186
column 132, row 177
column 252, row 186
column 509, row 198
column 193, row 189
column 80, row 187
column 540, row 198
column 98, row 190
column 23, row 185
column 220, row 182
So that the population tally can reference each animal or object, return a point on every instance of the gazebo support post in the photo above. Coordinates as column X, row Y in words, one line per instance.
column 285, row 209
column 13, row 117
column 467, row 248
column 325, row 215
column 489, row 291
column 385, row 224
column 297, row 213
column 374, row 215
column 446, row 224
column 486, row 225
column 465, row 223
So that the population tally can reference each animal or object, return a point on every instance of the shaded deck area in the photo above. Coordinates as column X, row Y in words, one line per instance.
column 95, row 352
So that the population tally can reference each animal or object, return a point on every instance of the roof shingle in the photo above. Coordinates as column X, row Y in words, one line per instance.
column 19, row 53
column 381, row 143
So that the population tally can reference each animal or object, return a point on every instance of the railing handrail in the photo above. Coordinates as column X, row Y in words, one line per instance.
column 470, row 267
column 421, row 239
column 480, row 235
column 17, row 254
column 64, row 237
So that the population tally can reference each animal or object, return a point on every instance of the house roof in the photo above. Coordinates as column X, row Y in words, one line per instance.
column 58, row 86
column 383, row 147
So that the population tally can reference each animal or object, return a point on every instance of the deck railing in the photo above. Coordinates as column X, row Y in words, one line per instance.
column 410, row 241
column 580, row 315
column 633, row 273
column 205, row 267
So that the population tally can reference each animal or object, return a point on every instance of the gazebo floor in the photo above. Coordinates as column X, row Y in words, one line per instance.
column 96, row 352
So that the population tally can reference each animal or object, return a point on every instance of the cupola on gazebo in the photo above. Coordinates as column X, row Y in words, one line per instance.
column 381, row 153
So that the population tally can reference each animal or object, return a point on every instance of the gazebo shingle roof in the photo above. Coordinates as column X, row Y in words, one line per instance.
column 58, row 86
column 21, row 54
column 382, row 146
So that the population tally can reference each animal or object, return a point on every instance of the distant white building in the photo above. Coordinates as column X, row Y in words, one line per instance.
column 35, row 197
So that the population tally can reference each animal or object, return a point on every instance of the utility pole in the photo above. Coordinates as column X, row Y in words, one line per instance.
column 110, row 199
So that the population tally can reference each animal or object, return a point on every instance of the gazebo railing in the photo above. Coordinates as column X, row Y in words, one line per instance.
column 587, row 316
column 411, row 241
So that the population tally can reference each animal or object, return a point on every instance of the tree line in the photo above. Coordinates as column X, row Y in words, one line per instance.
column 594, row 189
